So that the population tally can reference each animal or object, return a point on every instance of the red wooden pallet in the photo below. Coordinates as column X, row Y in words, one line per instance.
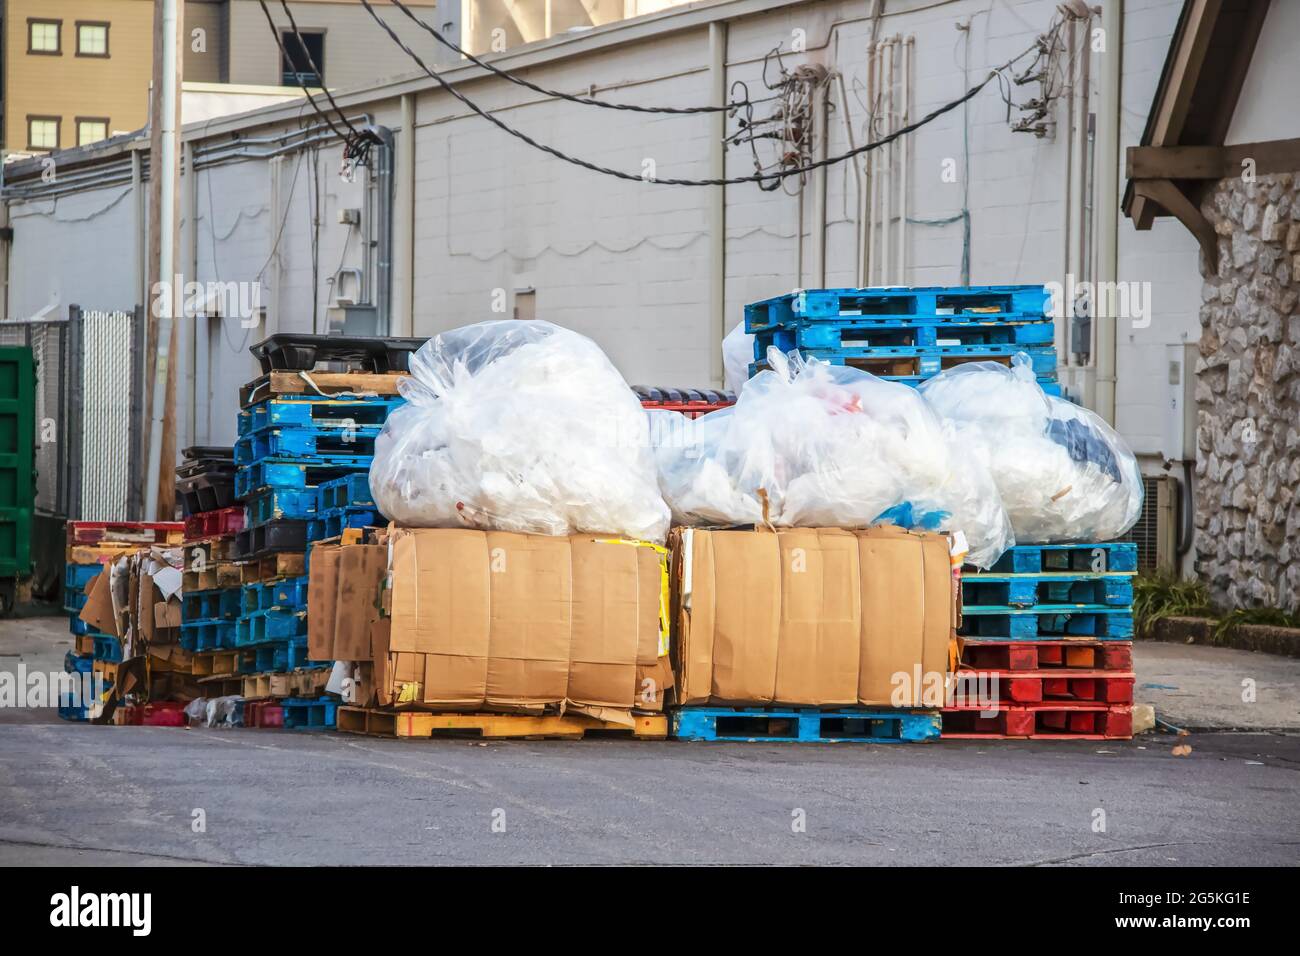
column 1045, row 655
column 126, row 532
column 263, row 713
column 213, row 524
column 1046, row 686
column 1048, row 721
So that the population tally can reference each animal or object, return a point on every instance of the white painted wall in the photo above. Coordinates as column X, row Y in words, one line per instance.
column 627, row 262
column 1266, row 109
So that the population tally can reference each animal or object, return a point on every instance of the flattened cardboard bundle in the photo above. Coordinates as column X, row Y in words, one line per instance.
column 816, row 617
column 137, row 598
column 500, row 621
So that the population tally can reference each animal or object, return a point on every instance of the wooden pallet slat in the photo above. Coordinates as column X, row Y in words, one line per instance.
column 423, row 724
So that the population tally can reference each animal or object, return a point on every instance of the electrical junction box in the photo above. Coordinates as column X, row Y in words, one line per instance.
column 1179, row 436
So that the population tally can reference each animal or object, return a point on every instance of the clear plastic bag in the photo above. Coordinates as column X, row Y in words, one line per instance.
column 1062, row 472
column 809, row 444
column 518, row 426
column 737, row 354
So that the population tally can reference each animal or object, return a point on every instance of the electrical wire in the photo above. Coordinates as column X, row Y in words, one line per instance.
column 557, row 94
column 357, row 142
column 760, row 177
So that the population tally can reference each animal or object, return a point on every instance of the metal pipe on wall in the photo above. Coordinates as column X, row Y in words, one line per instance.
column 905, row 118
column 819, row 185
column 869, row 225
column 717, row 201
column 404, row 268
column 886, row 176
column 1108, row 165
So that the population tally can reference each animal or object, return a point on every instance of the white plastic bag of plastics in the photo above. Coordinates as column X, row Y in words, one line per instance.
column 1063, row 473
column 809, row 444
column 518, row 426
column 737, row 353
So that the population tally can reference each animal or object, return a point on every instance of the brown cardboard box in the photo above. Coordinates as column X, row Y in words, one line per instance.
column 343, row 600
column 515, row 622
column 98, row 610
column 813, row 617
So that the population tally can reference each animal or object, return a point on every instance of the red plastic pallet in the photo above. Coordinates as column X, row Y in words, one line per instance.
column 163, row 714
column 126, row 532
column 263, row 713
column 1048, row 721
column 1035, row 687
column 1046, row 655
column 214, row 524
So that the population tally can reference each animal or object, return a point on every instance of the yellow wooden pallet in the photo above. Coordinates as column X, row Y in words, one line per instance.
column 303, row 683
column 212, row 663
column 329, row 383
column 272, row 568
column 214, row 576
column 96, row 553
column 411, row 723
column 223, row 685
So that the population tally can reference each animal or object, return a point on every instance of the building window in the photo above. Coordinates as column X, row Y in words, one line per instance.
column 91, row 130
column 42, row 132
column 92, row 39
column 296, row 66
column 43, row 37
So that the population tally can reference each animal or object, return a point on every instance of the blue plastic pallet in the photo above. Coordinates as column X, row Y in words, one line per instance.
column 1022, row 301
column 108, row 648
column 1028, row 590
column 314, row 412
column 334, row 441
column 199, row 636
column 294, row 475
column 1047, row 622
column 922, row 333
column 74, row 663
column 345, row 492
column 272, row 625
column 279, row 503
column 804, row 725
column 74, row 601
column 303, row 714
column 331, row 524
column 1096, row 557
column 290, row 593
column 217, row 604
column 77, row 576
column 278, row 657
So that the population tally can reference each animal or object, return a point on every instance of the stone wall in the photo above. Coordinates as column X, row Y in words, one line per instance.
column 1247, row 486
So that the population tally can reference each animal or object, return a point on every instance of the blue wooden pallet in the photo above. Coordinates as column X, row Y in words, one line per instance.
column 1027, row 590
column 331, row 524
column 304, row 714
column 889, row 361
column 278, row 657
column 804, row 725
column 1047, row 622
column 74, row 601
column 345, row 492
column 923, row 333
column 77, row 626
column 332, row 441
column 200, row 636
column 77, row 576
column 289, row 593
column 293, row 475
column 314, row 412
column 1019, row 301
column 279, row 503
column 74, row 663
column 216, row 604
column 274, row 625
column 1097, row 557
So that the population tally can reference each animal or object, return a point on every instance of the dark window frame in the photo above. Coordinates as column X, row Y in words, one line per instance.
column 292, row 49
column 58, row 35
column 77, row 121
column 107, row 46
column 58, row 131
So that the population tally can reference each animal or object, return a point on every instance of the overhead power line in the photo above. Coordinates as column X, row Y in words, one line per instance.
column 558, row 94
column 357, row 142
column 759, row 177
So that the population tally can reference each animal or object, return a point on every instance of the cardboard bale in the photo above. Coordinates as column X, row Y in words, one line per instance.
column 486, row 620
column 816, row 617
column 343, row 591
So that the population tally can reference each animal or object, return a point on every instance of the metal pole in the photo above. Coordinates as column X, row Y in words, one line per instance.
column 165, row 88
